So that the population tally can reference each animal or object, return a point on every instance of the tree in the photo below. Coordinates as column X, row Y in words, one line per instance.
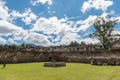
column 75, row 43
column 83, row 43
column 104, row 28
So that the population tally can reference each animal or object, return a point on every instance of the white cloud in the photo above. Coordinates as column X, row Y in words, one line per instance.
column 97, row 4
column 88, row 22
column 65, row 30
column 85, row 24
column 3, row 11
column 14, row 14
column 41, row 1
column 66, row 39
column 37, row 39
column 90, row 40
column 62, row 28
column 2, row 41
column 7, row 28
column 11, row 41
column 70, row 37
column 27, row 17
column 116, row 18
column 20, row 35
column 52, row 25
column 115, row 32
column 106, row 14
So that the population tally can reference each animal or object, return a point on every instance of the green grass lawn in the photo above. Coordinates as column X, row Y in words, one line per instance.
column 73, row 71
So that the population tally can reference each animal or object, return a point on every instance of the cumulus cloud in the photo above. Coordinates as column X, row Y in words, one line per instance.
column 90, row 41
column 11, row 41
column 37, row 39
column 41, row 1
column 27, row 17
column 96, row 4
column 2, row 41
column 117, row 33
column 52, row 25
column 20, row 35
column 85, row 24
column 7, row 28
column 88, row 22
column 48, row 31
column 3, row 11
column 70, row 37
column 62, row 28
column 116, row 18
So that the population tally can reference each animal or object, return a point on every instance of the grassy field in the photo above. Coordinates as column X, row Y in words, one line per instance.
column 73, row 71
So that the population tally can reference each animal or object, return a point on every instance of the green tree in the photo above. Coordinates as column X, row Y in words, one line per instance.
column 104, row 28
column 75, row 43
column 83, row 43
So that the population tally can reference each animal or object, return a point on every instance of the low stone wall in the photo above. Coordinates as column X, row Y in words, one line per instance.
column 94, row 60
column 76, row 59
column 54, row 64
column 105, row 61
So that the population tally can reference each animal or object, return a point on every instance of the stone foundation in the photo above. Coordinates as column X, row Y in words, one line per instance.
column 54, row 64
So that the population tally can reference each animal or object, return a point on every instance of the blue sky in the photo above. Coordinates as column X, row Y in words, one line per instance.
column 53, row 22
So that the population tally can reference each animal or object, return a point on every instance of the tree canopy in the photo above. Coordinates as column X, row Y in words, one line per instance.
column 75, row 43
column 104, row 28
